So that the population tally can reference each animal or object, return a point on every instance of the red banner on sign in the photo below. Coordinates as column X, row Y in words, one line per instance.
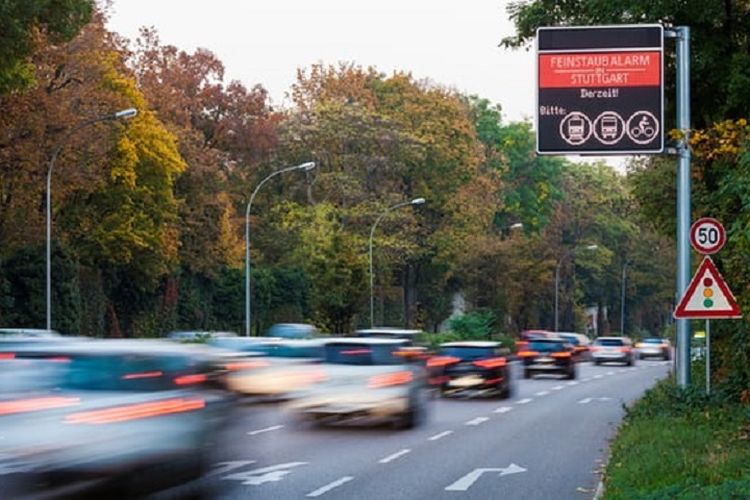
column 600, row 69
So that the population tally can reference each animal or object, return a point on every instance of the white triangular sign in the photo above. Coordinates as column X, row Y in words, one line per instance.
column 707, row 296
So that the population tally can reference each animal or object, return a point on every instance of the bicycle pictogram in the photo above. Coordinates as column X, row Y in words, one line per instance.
column 642, row 127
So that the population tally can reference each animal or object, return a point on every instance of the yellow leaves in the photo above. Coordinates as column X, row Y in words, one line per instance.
column 723, row 139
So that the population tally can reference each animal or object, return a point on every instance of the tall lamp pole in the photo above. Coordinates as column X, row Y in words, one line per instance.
column 415, row 201
column 120, row 115
column 557, row 284
column 622, row 301
column 304, row 166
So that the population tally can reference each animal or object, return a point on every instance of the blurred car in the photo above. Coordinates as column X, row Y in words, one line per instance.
column 121, row 417
column 197, row 335
column 612, row 349
column 551, row 355
column 473, row 367
column 387, row 332
column 366, row 380
column 277, row 368
column 580, row 343
column 292, row 331
column 28, row 332
column 654, row 347
column 525, row 336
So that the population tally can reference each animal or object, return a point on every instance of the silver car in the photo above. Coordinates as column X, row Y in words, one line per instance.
column 366, row 380
column 613, row 349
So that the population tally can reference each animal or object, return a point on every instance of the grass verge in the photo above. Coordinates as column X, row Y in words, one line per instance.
column 677, row 443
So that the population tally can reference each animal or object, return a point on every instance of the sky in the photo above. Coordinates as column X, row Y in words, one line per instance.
column 451, row 43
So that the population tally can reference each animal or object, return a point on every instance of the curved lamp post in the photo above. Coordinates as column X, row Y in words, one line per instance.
column 557, row 283
column 415, row 201
column 304, row 166
column 120, row 115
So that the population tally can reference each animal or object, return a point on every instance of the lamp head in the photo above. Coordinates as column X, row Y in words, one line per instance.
column 517, row 225
column 307, row 166
column 592, row 247
column 125, row 114
column 417, row 201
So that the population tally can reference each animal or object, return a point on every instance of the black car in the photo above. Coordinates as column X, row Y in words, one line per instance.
column 470, row 367
column 551, row 355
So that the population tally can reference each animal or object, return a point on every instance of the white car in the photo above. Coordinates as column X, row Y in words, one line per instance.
column 613, row 349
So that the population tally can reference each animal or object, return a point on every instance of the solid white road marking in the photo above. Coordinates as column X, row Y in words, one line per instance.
column 330, row 486
column 524, row 401
column 469, row 479
column 391, row 458
column 267, row 429
column 541, row 393
column 503, row 409
column 477, row 421
column 585, row 401
column 441, row 435
column 558, row 388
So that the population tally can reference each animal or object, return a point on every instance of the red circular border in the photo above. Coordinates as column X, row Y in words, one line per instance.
column 715, row 248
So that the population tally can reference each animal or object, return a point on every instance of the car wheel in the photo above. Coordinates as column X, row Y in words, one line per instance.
column 597, row 362
column 571, row 375
column 415, row 414
column 507, row 391
column 526, row 373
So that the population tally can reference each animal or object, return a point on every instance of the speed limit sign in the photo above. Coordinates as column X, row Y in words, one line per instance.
column 707, row 235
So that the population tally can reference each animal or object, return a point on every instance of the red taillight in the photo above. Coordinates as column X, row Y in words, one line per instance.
column 593, row 348
column 390, row 379
column 197, row 378
column 5, row 356
column 527, row 354
column 136, row 411
column 245, row 365
column 624, row 349
column 490, row 364
column 36, row 404
column 134, row 376
column 439, row 361
column 560, row 355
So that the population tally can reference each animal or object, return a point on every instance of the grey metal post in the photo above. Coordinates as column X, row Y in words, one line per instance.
column 304, row 166
column 557, row 290
column 708, row 357
column 683, row 198
column 415, row 201
column 124, row 114
column 622, row 301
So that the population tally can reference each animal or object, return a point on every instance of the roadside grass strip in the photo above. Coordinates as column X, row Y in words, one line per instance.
column 673, row 445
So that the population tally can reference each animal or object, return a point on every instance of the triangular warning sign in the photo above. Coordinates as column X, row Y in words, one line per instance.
column 707, row 296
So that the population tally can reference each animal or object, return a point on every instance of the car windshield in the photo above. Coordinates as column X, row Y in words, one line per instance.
column 652, row 341
column 546, row 346
column 609, row 342
column 363, row 354
column 467, row 352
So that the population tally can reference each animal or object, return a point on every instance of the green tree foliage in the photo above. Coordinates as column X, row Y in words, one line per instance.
column 477, row 325
column 720, row 66
column 23, row 22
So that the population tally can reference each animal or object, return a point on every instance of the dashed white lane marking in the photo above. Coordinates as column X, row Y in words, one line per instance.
column 587, row 379
column 391, row 458
column 328, row 487
column 541, row 393
column 524, row 401
column 610, row 373
column 558, row 388
column 477, row 421
column 599, row 376
column 573, row 382
column 621, row 371
column 267, row 429
column 441, row 435
column 503, row 409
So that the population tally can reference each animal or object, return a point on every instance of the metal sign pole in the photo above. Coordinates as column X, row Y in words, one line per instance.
column 683, row 198
column 708, row 357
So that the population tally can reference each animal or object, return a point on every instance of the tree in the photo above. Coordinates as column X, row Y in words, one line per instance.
column 720, row 66
column 22, row 24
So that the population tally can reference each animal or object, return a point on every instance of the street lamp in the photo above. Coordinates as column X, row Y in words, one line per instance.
column 120, row 115
column 622, row 300
column 304, row 166
column 557, row 283
column 415, row 201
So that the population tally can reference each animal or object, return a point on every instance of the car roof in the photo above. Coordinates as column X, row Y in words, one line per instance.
column 387, row 330
column 470, row 343
column 104, row 347
column 365, row 340
column 549, row 339
column 612, row 338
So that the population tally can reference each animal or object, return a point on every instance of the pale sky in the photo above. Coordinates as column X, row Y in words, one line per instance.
column 451, row 43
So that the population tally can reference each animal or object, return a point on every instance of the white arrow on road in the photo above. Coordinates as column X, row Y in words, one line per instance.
column 265, row 474
column 469, row 479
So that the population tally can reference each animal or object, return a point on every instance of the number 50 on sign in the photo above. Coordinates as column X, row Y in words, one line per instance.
column 707, row 235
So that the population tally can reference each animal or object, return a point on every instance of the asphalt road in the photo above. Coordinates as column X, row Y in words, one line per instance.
column 547, row 441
